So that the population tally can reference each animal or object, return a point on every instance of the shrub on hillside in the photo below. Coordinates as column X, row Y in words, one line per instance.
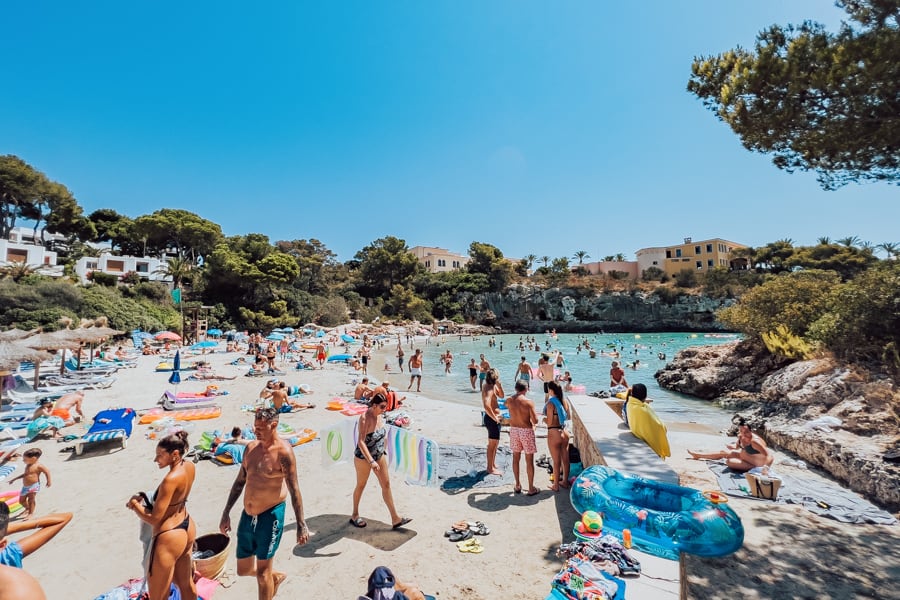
column 667, row 295
column 654, row 274
column 104, row 279
column 686, row 278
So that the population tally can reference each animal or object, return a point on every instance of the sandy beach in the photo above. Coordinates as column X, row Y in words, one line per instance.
column 788, row 551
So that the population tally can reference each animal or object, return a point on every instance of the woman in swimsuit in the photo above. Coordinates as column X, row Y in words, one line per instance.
column 173, row 529
column 557, row 436
column 369, row 456
column 748, row 452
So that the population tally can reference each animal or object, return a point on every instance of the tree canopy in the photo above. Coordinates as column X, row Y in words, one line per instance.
column 815, row 100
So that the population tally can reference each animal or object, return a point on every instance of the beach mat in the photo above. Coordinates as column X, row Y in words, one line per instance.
column 463, row 467
column 817, row 495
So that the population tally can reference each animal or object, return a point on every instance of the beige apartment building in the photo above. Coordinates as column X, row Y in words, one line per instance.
column 698, row 256
column 439, row 260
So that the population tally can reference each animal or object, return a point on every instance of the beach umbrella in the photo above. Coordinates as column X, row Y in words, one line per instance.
column 175, row 377
column 348, row 338
column 214, row 332
column 278, row 330
column 320, row 333
column 275, row 337
column 14, row 334
column 205, row 344
column 142, row 335
column 288, row 329
column 13, row 353
column 167, row 335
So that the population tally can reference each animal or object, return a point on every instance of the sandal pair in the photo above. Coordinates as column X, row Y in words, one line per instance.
column 472, row 545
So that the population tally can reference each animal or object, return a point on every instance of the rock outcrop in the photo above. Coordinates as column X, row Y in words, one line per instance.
column 781, row 400
column 520, row 308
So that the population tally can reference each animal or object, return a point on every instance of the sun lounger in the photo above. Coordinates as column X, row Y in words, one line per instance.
column 111, row 424
column 96, row 383
column 8, row 447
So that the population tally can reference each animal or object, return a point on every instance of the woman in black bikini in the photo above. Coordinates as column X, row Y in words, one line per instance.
column 173, row 529
column 557, row 436
column 748, row 452
column 369, row 456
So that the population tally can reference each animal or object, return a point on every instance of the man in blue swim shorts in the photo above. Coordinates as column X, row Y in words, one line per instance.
column 268, row 473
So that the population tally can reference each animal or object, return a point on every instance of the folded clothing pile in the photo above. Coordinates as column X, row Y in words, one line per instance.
column 592, row 570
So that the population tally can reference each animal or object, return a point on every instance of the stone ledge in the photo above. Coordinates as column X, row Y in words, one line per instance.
column 603, row 438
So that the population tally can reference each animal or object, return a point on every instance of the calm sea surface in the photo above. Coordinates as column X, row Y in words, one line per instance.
column 593, row 373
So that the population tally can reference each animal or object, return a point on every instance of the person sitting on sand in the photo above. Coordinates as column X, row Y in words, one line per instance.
column 43, row 420
column 748, row 452
column 283, row 403
column 13, row 551
column 362, row 391
column 64, row 405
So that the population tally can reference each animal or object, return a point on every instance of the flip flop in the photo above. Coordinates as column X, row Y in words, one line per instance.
column 473, row 546
column 480, row 529
column 401, row 524
column 459, row 536
column 358, row 522
column 533, row 492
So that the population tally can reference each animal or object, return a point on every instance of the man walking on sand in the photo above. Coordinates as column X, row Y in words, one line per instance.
column 269, row 473
column 415, row 370
column 522, row 419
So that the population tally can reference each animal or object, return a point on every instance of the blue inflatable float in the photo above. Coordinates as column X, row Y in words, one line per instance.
column 664, row 519
column 348, row 338
column 339, row 358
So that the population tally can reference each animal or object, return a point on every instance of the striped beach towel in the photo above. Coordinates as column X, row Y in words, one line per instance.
column 6, row 471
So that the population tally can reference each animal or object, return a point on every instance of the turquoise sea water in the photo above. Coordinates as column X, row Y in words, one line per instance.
column 593, row 373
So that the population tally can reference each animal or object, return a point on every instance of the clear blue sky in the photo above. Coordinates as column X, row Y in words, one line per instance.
column 539, row 127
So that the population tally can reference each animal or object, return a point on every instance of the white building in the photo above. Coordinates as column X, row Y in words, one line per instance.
column 145, row 267
column 651, row 257
column 22, row 248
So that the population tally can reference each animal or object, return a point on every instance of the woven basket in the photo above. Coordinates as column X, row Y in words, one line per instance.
column 214, row 566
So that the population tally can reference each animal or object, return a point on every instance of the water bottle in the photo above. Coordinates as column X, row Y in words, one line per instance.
column 626, row 538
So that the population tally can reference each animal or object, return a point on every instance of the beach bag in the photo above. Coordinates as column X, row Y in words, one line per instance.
column 763, row 486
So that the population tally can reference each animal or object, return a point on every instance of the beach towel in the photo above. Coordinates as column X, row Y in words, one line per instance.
column 817, row 495
column 464, row 467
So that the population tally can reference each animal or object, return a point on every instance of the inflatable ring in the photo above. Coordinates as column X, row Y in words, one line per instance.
column 715, row 497
column 334, row 439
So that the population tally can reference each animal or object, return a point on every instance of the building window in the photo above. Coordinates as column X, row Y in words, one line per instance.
column 655, row 263
column 697, row 250
column 709, row 263
column 91, row 265
column 115, row 266
column 678, row 252
column 427, row 264
column 709, row 248
column 699, row 264
column 16, row 255
column 685, row 260
column 668, row 254
column 142, row 267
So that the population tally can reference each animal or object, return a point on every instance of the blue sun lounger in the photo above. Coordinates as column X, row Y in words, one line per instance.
column 112, row 424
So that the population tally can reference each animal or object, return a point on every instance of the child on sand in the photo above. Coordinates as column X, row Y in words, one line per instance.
column 31, row 479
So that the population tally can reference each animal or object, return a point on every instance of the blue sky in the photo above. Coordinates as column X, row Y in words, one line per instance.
column 538, row 127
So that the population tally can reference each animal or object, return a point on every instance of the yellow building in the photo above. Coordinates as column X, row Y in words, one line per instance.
column 698, row 256
column 438, row 260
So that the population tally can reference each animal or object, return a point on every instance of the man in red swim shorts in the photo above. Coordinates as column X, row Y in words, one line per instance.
column 522, row 419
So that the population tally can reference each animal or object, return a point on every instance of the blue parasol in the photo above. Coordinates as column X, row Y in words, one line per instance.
column 275, row 337
column 214, row 332
column 288, row 329
column 204, row 344
column 175, row 378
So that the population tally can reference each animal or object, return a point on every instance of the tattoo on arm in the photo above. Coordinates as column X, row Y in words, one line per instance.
column 289, row 468
column 236, row 489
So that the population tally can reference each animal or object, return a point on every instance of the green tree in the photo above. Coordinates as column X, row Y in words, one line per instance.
column 488, row 260
column 815, row 100
column 580, row 255
column 795, row 300
column 19, row 188
column 685, row 278
column 118, row 230
column 188, row 234
column 891, row 249
column 384, row 263
column 848, row 261
column 178, row 269
column 545, row 259
column 319, row 268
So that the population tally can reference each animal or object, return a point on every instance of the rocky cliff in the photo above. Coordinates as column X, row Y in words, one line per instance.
column 781, row 399
column 521, row 308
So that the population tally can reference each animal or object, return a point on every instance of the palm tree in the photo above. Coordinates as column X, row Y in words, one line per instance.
column 545, row 259
column 17, row 271
column 529, row 261
column 177, row 268
column 891, row 249
column 581, row 255
column 609, row 258
column 620, row 257
column 849, row 241
column 867, row 247
column 824, row 240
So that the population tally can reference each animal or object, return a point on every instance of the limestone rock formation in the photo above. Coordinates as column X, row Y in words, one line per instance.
column 781, row 400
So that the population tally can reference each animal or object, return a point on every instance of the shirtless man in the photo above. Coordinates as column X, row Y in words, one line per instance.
column 415, row 370
column 65, row 404
column 269, row 473
column 545, row 373
column 491, row 390
column 522, row 419
column 362, row 391
column 523, row 373
column 283, row 403
column 484, row 366
column 400, row 353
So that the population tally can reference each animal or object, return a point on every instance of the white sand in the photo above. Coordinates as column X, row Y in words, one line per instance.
column 788, row 551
